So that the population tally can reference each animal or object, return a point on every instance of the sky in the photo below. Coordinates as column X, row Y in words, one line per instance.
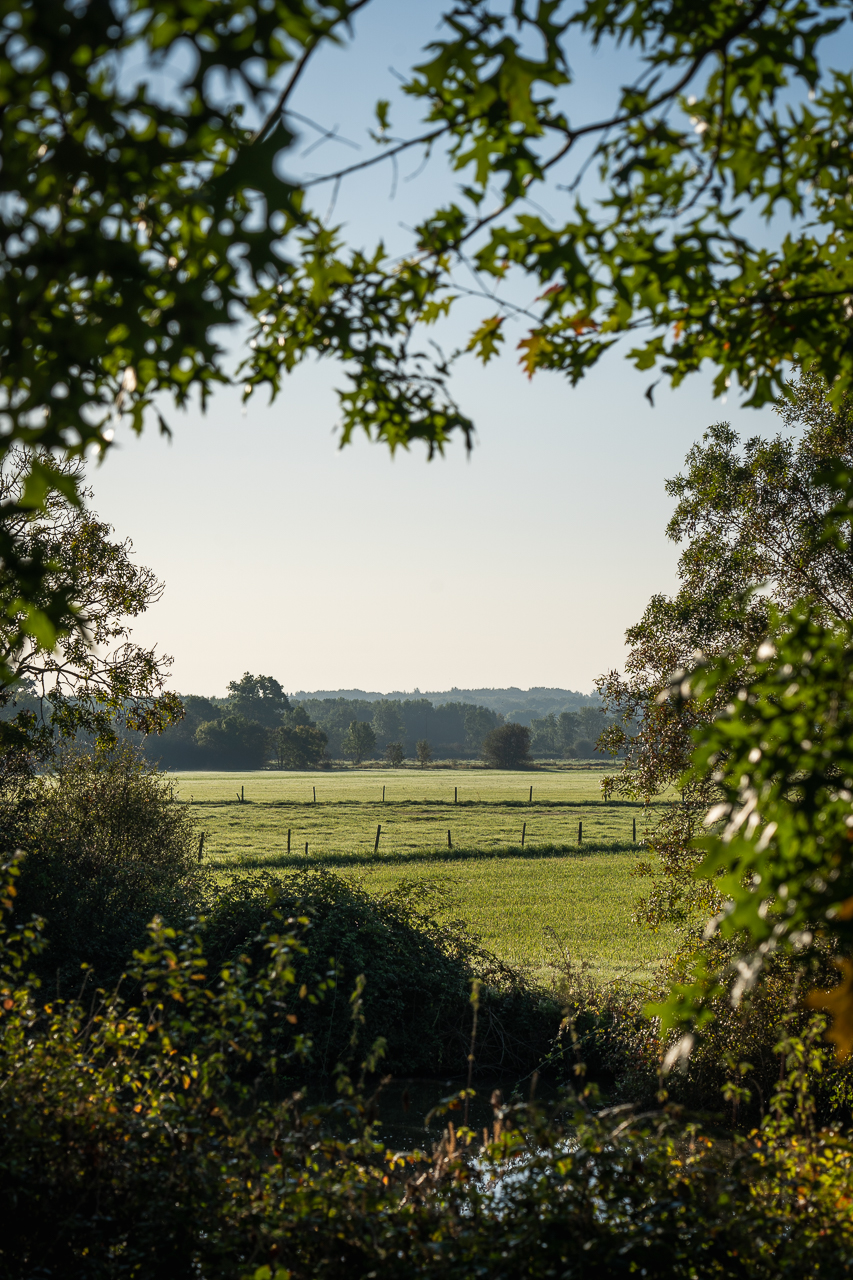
column 522, row 564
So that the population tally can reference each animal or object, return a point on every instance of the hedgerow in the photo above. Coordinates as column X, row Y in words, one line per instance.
column 163, row 1136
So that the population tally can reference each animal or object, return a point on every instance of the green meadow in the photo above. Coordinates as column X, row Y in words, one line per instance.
column 528, row 902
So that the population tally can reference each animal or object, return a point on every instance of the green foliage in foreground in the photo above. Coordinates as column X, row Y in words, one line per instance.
column 780, row 854
column 165, row 1137
column 417, row 970
column 105, row 850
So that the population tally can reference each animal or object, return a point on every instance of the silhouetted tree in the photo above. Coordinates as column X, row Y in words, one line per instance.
column 258, row 698
column 507, row 747
column 234, row 742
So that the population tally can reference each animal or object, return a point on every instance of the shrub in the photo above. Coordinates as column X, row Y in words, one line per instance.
column 417, row 971
column 164, row 1139
column 106, row 850
column 584, row 749
column 394, row 754
column 507, row 747
column 423, row 750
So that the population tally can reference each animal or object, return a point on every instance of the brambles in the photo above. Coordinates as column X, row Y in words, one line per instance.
column 190, row 1152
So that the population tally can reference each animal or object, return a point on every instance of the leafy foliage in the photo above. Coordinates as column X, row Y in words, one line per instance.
column 507, row 747
column 299, row 746
column 259, row 698
column 96, row 679
column 780, row 755
column 188, row 1152
column 359, row 741
column 137, row 225
column 750, row 515
column 234, row 742
column 417, row 966
column 106, row 849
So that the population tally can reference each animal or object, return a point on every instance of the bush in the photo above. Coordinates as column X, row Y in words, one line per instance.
column 417, row 971
column 394, row 754
column 507, row 747
column 165, row 1139
column 106, row 849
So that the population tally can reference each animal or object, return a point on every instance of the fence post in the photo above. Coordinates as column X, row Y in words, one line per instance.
column 288, row 839
column 530, row 801
column 580, row 833
column 449, row 841
column 306, row 848
column 455, row 794
column 314, row 789
column 200, row 845
column 523, row 832
column 383, row 795
column 376, row 841
column 635, row 831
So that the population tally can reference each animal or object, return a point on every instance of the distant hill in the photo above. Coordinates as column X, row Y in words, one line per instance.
column 522, row 705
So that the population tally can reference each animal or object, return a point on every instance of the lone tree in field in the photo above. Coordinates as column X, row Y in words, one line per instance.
column 424, row 750
column 359, row 741
column 507, row 747
column 395, row 754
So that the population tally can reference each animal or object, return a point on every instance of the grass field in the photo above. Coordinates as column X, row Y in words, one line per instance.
column 511, row 896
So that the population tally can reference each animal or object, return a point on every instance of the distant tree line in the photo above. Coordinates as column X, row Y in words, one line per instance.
column 572, row 735
column 257, row 725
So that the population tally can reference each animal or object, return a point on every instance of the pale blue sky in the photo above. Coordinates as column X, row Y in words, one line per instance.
column 522, row 565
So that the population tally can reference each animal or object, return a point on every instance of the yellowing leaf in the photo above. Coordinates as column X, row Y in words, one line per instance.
column 485, row 339
column 533, row 348
column 838, row 1002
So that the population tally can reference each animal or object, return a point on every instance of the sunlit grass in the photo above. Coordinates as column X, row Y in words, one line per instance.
column 512, row 897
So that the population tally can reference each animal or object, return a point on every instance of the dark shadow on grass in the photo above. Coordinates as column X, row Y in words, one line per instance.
column 415, row 856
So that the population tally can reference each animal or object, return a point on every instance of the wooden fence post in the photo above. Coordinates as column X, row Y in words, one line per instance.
column 200, row 845
column 530, row 801
column 288, row 839
column 634, row 837
column 523, row 833
column 455, row 794
column 376, row 841
column 306, row 848
column 449, row 841
column 314, row 789
column 580, row 833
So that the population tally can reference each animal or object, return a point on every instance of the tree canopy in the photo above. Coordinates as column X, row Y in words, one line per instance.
column 138, row 225
column 96, row 678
